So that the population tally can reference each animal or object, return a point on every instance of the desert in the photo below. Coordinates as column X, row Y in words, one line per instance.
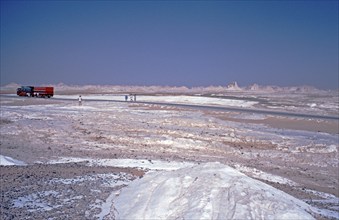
column 113, row 159
column 161, row 110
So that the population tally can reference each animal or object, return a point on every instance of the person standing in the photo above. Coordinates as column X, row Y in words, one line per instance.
column 80, row 100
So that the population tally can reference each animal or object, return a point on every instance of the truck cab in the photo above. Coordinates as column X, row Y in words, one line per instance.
column 25, row 91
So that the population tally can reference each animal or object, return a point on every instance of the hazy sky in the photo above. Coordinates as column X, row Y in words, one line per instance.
column 189, row 43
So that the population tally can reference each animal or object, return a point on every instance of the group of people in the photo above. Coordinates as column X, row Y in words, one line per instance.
column 133, row 98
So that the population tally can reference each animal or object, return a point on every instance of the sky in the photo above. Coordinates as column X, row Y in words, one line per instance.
column 174, row 43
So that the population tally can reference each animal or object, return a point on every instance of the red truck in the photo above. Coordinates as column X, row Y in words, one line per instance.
column 33, row 91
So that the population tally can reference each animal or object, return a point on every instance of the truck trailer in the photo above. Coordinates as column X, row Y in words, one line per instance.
column 33, row 91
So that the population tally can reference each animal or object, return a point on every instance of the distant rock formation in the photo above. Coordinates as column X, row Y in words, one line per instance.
column 11, row 85
column 233, row 86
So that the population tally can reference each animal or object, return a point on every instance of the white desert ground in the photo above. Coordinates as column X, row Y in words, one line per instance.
column 254, row 153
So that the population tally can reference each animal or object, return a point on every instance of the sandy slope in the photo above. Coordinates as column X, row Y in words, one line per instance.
column 206, row 191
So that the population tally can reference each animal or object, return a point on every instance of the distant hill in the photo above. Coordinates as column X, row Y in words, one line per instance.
column 233, row 87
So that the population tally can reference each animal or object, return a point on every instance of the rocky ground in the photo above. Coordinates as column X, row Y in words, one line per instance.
column 59, row 191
